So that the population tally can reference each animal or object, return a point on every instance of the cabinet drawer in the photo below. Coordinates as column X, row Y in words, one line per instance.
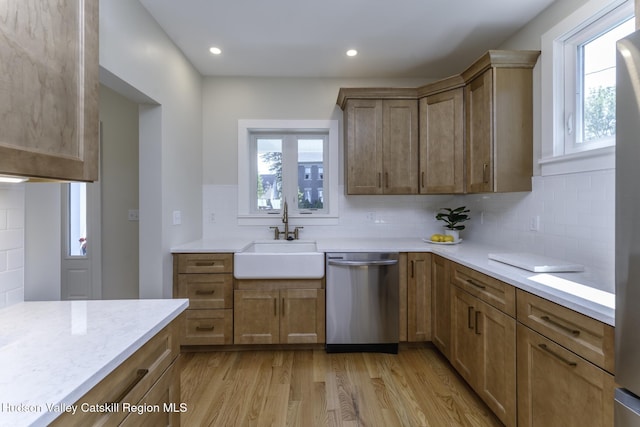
column 129, row 382
column 205, row 263
column 493, row 291
column 581, row 334
column 206, row 290
column 208, row 327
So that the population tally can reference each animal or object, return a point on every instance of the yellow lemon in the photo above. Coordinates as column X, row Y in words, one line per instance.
column 436, row 238
column 448, row 238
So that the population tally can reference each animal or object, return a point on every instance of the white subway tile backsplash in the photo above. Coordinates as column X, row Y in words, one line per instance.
column 11, row 244
column 576, row 214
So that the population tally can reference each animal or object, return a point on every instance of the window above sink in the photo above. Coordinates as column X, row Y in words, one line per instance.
column 296, row 160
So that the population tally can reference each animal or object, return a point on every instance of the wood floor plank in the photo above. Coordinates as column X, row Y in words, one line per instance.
column 309, row 388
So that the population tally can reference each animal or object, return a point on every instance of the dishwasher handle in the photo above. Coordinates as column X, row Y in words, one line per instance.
column 363, row 263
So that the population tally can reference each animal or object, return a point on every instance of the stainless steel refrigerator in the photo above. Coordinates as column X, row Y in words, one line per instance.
column 627, row 398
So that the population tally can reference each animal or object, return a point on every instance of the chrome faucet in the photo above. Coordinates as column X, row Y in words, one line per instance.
column 285, row 220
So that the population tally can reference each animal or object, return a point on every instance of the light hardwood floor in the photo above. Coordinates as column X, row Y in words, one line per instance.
column 416, row 387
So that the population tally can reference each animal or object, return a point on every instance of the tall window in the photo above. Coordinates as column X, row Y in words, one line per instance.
column 590, row 80
column 283, row 165
column 77, row 216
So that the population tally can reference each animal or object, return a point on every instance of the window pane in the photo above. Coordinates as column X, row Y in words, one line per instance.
column 598, row 94
column 269, row 161
column 310, row 175
column 77, row 219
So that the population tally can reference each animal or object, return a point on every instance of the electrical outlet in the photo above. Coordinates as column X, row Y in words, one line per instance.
column 371, row 216
column 177, row 217
column 212, row 217
column 534, row 223
column 134, row 215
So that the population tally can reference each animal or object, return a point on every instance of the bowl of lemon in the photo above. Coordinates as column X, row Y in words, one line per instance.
column 442, row 239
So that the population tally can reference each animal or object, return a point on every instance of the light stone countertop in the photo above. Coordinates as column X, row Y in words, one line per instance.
column 55, row 351
column 577, row 291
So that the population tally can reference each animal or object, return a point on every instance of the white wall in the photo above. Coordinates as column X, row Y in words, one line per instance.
column 576, row 211
column 11, row 244
column 119, row 191
column 226, row 100
column 135, row 49
column 560, row 202
column 43, row 241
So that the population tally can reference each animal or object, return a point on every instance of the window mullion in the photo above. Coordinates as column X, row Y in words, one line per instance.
column 290, row 171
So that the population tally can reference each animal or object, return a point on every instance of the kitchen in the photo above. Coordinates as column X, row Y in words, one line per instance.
column 198, row 120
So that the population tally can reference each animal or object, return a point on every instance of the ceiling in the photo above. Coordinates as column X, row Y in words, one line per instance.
column 305, row 38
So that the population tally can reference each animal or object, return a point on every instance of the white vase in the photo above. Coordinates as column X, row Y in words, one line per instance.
column 454, row 233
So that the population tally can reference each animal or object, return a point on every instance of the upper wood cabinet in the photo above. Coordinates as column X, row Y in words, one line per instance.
column 499, row 122
column 49, row 102
column 381, row 141
column 442, row 142
column 475, row 131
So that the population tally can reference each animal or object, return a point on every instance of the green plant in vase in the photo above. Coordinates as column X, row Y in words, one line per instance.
column 453, row 219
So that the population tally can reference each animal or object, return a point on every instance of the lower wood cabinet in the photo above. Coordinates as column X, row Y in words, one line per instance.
column 281, row 316
column 558, row 388
column 483, row 351
column 148, row 377
column 419, row 297
column 206, row 279
column 441, row 305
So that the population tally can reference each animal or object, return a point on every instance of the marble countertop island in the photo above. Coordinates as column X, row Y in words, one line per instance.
column 52, row 353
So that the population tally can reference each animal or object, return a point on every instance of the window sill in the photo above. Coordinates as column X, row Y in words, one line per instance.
column 294, row 220
column 586, row 161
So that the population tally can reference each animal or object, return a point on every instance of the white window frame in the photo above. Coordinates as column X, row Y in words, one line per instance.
column 329, row 215
column 555, row 157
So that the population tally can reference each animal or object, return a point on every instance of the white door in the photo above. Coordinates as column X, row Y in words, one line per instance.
column 81, row 256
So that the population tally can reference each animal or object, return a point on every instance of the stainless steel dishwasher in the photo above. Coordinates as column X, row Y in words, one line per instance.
column 362, row 302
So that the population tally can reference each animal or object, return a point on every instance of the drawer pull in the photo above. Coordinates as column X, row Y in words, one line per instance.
column 557, row 356
column 201, row 292
column 550, row 321
column 205, row 328
column 477, row 329
column 469, row 311
column 476, row 284
column 140, row 374
column 283, row 307
column 205, row 263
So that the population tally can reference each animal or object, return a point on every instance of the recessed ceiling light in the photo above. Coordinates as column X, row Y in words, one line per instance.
column 352, row 52
column 215, row 50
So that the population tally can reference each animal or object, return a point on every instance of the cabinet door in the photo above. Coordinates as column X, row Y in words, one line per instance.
column 465, row 347
column 363, row 146
column 256, row 318
column 302, row 316
column 419, row 297
column 400, row 146
column 441, row 305
column 479, row 133
column 50, row 89
column 496, row 378
column 164, row 395
column 442, row 143
column 558, row 388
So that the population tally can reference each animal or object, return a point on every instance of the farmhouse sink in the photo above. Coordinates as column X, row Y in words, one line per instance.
column 279, row 259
